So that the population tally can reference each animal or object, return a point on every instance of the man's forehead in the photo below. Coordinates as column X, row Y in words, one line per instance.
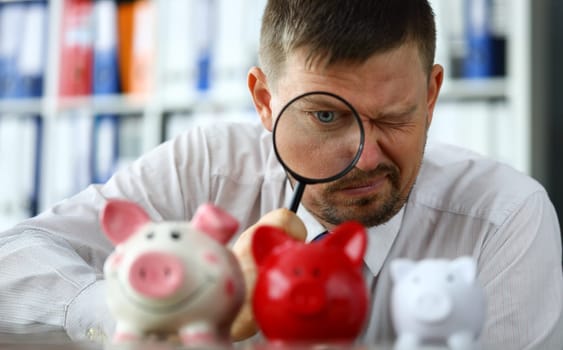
column 382, row 74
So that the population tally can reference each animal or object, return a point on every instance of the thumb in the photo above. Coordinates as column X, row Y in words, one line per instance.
column 287, row 221
column 244, row 325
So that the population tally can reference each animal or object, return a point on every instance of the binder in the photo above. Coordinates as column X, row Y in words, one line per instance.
column 442, row 17
column 125, row 42
column 80, row 141
column 468, row 127
column 36, row 122
column 232, row 60
column 206, row 24
column 485, row 38
column 10, row 193
column 105, row 147
column 76, row 48
column 144, row 29
column 105, row 133
column 11, row 24
column 31, row 70
column 130, row 139
column 73, row 131
column 21, row 139
column 178, row 71
column 106, row 68
column 253, row 10
column 32, row 53
column 136, row 29
column 23, row 44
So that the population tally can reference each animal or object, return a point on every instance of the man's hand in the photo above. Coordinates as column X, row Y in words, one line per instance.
column 244, row 325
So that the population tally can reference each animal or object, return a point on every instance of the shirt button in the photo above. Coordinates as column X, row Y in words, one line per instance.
column 95, row 335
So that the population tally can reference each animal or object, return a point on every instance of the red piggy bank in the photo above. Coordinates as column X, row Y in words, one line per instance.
column 310, row 293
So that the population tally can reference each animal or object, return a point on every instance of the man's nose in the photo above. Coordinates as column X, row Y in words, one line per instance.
column 372, row 154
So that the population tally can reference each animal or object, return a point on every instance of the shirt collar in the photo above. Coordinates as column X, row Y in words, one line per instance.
column 380, row 238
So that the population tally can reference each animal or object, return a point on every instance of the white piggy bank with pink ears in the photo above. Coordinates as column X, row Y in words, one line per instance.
column 171, row 277
column 437, row 302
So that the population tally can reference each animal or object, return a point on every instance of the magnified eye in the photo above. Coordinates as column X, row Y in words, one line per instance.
column 325, row 116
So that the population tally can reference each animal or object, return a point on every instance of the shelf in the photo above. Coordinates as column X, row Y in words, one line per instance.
column 129, row 104
column 213, row 100
column 21, row 106
column 114, row 104
column 474, row 89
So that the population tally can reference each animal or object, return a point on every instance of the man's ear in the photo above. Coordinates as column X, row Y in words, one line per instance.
column 260, row 96
column 434, row 84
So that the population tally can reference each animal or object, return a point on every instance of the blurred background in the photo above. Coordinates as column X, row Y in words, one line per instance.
column 87, row 86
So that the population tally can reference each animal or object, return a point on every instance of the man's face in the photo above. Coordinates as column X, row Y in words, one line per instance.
column 395, row 100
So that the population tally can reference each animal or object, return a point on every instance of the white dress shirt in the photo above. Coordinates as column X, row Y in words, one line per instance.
column 461, row 204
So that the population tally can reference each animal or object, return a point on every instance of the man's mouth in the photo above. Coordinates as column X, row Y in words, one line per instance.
column 363, row 187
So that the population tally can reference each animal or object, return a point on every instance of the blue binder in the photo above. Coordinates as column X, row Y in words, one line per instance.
column 105, row 147
column 206, row 15
column 485, row 49
column 12, row 17
column 34, row 203
column 23, row 29
column 105, row 130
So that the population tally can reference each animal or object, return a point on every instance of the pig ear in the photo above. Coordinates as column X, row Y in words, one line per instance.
column 400, row 268
column 351, row 237
column 266, row 239
column 120, row 219
column 216, row 222
column 465, row 268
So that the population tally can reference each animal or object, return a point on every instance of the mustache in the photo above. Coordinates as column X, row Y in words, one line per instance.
column 358, row 177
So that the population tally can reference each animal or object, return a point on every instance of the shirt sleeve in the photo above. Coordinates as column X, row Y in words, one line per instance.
column 522, row 276
column 51, row 266
column 42, row 277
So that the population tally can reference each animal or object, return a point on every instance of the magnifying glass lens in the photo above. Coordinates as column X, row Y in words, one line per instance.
column 318, row 137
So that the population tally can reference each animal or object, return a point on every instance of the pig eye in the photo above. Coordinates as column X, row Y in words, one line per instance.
column 150, row 235
column 175, row 235
column 297, row 271
column 450, row 278
column 316, row 272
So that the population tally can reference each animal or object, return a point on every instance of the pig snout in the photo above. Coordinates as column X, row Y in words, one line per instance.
column 157, row 275
column 431, row 306
column 307, row 298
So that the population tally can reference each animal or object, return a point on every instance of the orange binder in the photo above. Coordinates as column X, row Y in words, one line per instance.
column 136, row 29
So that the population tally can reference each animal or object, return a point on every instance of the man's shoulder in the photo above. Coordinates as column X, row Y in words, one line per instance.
column 460, row 181
column 224, row 130
column 240, row 150
column 236, row 138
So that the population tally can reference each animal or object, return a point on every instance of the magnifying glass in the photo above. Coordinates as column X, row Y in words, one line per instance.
column 318, row 137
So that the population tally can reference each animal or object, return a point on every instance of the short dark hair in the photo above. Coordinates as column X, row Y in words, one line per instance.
column 335, row 31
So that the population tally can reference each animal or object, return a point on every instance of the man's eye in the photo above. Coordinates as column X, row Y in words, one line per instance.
column 325, row 116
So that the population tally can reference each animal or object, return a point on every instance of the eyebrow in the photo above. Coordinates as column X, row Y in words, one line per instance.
column 324, row 101
column 401, row 111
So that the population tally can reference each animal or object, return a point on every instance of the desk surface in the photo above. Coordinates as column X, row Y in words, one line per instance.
column 59, row 340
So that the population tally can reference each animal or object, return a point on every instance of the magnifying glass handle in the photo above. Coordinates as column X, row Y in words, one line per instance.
column 297, row 194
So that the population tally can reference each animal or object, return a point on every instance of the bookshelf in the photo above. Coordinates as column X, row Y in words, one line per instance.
column 505, row 136
column 491, row 115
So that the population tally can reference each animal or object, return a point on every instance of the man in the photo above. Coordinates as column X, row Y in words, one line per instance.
column 416, row 203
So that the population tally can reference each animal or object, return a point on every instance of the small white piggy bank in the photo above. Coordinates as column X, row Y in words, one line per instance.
column 436, row 302
column 171, row 277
